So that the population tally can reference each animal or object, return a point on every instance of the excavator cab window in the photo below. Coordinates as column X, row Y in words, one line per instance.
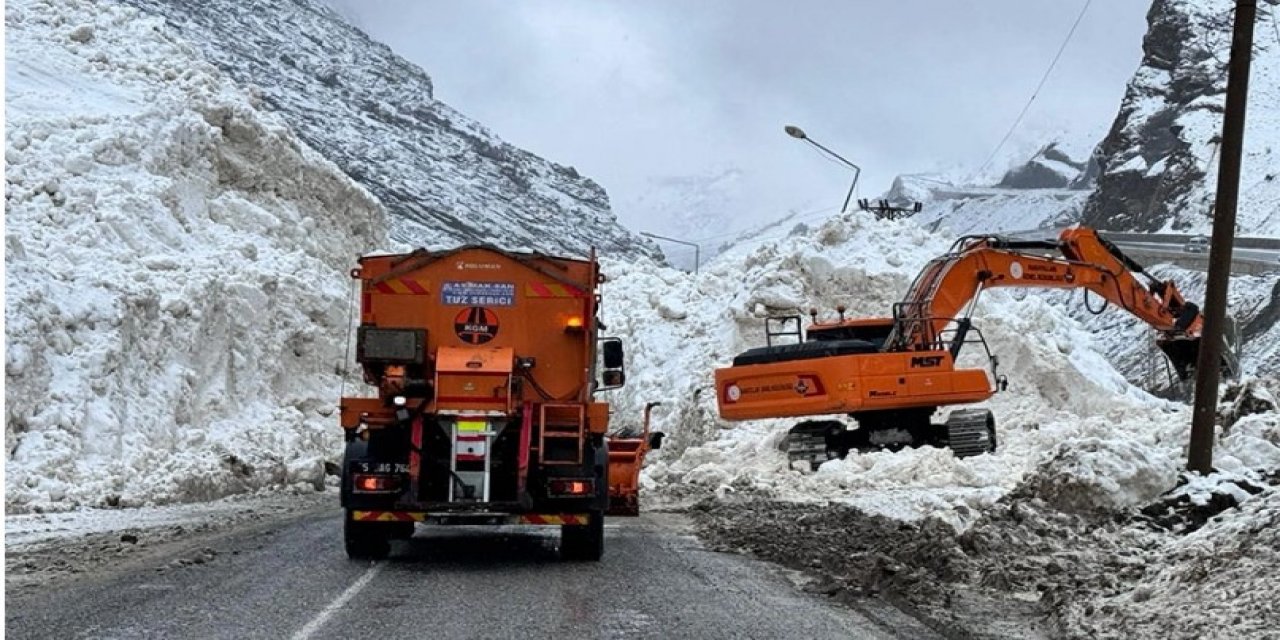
column 875, row 334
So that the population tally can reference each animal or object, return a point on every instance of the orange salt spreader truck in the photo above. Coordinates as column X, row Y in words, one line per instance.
column 486, row 365
column 890, row 375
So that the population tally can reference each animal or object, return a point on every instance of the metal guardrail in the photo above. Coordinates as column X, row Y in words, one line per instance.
column 1199, row 261
column 1179, row 239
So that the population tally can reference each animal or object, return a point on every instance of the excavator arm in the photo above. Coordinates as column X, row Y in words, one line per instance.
column 935, row 312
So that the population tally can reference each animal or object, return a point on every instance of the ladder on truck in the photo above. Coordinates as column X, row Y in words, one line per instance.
column 560, row 433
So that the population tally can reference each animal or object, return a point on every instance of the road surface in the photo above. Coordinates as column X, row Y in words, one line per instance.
column 290, row 579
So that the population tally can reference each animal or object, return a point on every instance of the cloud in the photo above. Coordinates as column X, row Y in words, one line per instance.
column 630, row 92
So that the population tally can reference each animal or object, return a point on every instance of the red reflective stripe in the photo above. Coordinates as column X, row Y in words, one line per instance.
column 412, row 285
column 384, row 287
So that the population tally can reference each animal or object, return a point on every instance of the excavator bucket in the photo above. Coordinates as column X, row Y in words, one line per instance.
column 1184, row 352
column 626, row 457
column 1182, row 355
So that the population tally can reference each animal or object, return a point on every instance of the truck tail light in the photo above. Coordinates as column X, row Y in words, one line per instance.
column 375, row 483
column 572, row 487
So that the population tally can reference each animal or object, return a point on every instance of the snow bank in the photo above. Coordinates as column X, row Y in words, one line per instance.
column 1074, row 432
column 175, row 271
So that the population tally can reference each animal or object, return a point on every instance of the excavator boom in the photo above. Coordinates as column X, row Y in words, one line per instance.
column 949, row 285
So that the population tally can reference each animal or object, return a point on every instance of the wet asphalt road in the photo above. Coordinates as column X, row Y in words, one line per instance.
column 293, row 581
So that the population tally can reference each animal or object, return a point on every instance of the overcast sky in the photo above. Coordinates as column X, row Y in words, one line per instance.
column 631, row 91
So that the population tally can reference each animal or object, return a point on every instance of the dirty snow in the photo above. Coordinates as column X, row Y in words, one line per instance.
column 175, row 271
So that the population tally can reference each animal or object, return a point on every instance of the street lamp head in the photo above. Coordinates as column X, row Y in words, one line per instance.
column 795, row 132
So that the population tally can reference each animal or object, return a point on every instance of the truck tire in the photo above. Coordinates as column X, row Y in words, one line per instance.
column 356, row 450
column 366, row 540
column 583, row 542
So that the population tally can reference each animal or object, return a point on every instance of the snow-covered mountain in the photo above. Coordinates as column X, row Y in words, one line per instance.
column 1160, row 159
column 1057, row 165
column 444, row 177
column 961, row 209
column 704, row 208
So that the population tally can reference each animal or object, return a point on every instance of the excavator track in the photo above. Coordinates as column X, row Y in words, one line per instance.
column 807, row 441
column 971, row 432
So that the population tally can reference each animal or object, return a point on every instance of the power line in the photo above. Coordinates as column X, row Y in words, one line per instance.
column 1039, row 86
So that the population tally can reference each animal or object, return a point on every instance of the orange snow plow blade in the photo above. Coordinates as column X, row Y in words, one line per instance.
column 626, row 457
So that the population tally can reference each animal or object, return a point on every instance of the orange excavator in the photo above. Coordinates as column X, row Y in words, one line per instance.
column 891, row 374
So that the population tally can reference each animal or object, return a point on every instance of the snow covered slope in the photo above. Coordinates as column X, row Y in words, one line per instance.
column 705, row 209
column 960, row 210
column 1048, row 189
column 444, row 177
column 1160, row 159
column 176, row 261
column 1254, row 302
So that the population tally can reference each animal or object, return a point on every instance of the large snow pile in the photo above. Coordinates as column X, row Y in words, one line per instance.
column 1068, row 418
column 175, row 270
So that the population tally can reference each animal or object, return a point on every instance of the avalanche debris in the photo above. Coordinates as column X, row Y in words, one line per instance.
column 175, row 273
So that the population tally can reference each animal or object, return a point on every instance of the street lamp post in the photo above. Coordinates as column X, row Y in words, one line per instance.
column 799, row 134
column 696, row 250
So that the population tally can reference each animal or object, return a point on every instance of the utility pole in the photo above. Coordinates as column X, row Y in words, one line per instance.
column 1200, row 452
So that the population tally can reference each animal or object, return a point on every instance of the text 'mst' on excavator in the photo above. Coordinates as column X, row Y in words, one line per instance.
column 891, row 374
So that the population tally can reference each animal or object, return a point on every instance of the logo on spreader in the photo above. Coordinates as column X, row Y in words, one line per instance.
column 476, row 325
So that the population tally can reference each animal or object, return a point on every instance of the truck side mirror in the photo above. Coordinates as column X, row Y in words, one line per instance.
column 613, row 357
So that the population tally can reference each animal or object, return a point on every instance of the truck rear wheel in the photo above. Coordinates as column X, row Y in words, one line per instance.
column 583, row 542
column 366, row 540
